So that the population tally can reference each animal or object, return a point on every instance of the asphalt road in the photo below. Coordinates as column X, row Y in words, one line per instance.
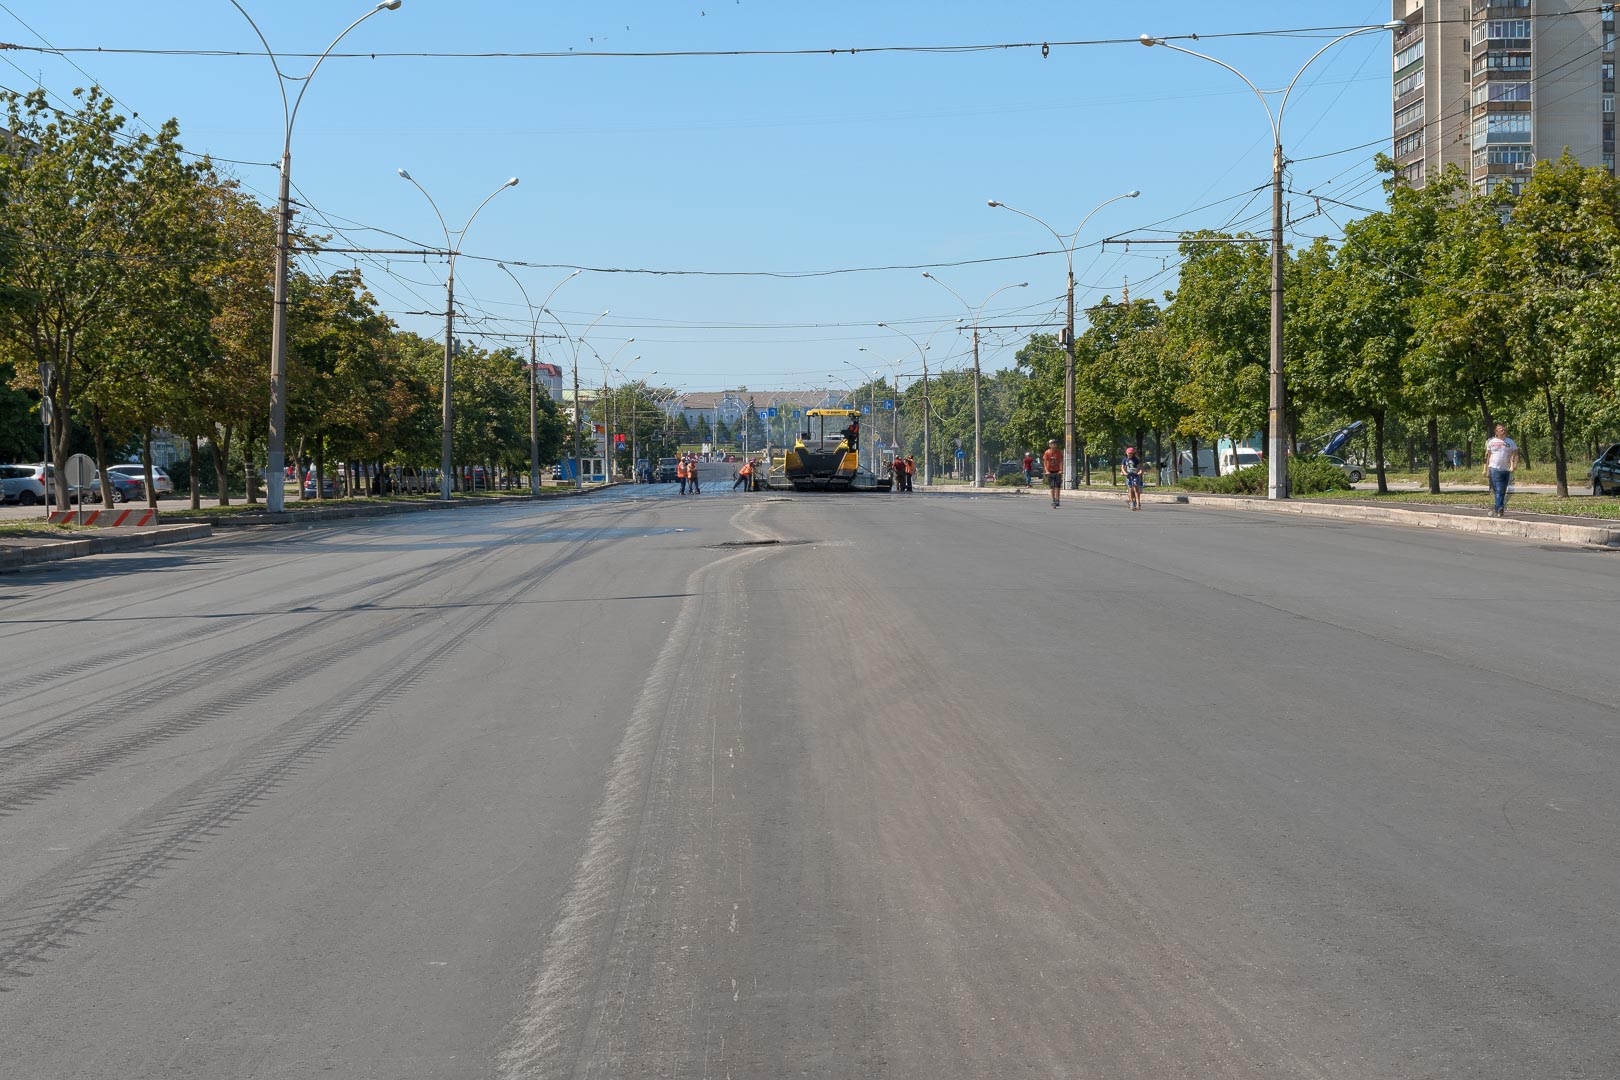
column 938, row 786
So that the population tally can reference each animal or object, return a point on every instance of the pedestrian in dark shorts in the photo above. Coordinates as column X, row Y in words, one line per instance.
column 1133, row 478
column 1052, row 462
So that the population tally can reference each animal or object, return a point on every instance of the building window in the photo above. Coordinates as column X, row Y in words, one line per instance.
column 1608, row 104
column 1608, row 163
column 1412, row 114
column 1413, row 173
column 1505, row 29
column 1518, row 90
column 1411, row 54
column 1412, row 82
column 1410, row 144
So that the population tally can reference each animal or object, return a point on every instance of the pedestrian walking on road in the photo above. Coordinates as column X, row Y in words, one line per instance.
column 692, row 476
column 1501, row 458
column 1133, row 478
column 680, row 473
column 911, row 470
column 1052, row 462
column 1029, row 468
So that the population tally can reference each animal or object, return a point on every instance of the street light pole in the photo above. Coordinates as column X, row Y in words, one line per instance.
column 276, row 442
column 534, row 374
column 977, row 313
column 928, row 454
column 445, row 437
column 1071, row 477
column 573, row 344
column 1277, row 440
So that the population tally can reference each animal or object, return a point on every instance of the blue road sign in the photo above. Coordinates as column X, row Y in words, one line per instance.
column 771, row 412
column 888, row 403
column 960, row 454
column 866, row 410
column 795, row 414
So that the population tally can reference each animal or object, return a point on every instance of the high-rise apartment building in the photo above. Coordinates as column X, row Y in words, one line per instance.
column 1496, row 85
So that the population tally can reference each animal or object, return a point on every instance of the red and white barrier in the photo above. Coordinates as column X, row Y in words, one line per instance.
column 107, row 519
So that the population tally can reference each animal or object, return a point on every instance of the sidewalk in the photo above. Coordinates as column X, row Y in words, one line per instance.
column 17, row 552
column 1470, row 519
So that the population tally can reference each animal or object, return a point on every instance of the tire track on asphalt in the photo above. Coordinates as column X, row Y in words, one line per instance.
column 586, row 948
column 95, row 885
column 29, row 772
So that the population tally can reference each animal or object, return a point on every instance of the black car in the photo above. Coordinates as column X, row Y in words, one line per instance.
column 1606, row 472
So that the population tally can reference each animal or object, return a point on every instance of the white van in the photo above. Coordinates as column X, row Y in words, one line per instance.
column 1245, row 456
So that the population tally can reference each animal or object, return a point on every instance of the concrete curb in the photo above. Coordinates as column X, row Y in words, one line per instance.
column 107, row 543
column 1519, row 528
column 381, row 509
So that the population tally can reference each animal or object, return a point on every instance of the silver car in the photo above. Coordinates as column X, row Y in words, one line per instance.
column 19, row 484
column 1351, row 472
column 136, row 471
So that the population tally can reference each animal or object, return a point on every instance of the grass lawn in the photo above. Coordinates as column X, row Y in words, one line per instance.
column 1591, row 506
column 1542, row 474
column 39, row 528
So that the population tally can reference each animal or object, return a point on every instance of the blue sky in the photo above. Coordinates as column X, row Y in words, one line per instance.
column 751, row 163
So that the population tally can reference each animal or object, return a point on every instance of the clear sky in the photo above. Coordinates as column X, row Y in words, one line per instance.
column 765, row 163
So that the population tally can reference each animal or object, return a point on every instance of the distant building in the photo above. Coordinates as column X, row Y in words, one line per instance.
column 550, row 378
column 729, row 406
column 1494, row 86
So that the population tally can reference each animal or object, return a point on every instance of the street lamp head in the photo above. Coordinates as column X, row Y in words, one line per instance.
column 511, row 183
column 1148, row 40
column 1395, row 24
column 403, row 173
column 389, row 5
column 926, row 274
column 993, row 202
column 1132, row 194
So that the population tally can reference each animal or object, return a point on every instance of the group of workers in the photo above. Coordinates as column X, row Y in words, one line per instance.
column 686, row 471
column 902, row 470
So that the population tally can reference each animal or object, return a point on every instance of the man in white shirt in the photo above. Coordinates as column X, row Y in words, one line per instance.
column 1501, row 458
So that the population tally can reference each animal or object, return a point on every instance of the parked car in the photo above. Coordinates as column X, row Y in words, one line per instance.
column 20, row 484
column 125, row 488
column 160, row 479
column 666, row 470
column 328, row 486
column 1351, row 472
column 1606, row 472
column 46, row 475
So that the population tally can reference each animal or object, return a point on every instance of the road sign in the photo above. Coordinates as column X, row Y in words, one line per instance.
column 795, row 414
column 81, row 471
column 47, row 411
column 888, row 403
column 770, row 413
column 960, row 454
column 866, row 410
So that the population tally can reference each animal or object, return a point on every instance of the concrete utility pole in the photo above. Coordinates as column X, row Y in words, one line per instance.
column 534, row 373
column 451, row 250
column 928, row 446
column 1277, row 437
column 977, row 313
column 276, row 442
column 1071, row 477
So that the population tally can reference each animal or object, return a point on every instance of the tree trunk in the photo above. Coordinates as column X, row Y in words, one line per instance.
column 1175, row 462
column 196, row 487
column 1468, row 453
column 146, row 464
column 1555, row 422
column 250, row 475
column 222, row 454
column 98, row 431
column 1434, row 455
column 1378, row 451
column 1197, row 471
column 1411, row 454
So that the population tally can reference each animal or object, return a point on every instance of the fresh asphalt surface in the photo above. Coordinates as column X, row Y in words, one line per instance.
column 940, row 786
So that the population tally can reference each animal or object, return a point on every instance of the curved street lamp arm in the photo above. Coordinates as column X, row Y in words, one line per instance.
column 1066, row 244
column 449, row 247
column 1393, row 25
column 386, row 5
column 534, row 316
column 1275, row 118
column 463, row 233
column 281, row 80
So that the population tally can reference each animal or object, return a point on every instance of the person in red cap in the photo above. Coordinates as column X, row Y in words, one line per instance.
column 1133, row 478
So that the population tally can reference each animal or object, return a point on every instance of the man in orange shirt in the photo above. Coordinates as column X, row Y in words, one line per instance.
column 1052, row 462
